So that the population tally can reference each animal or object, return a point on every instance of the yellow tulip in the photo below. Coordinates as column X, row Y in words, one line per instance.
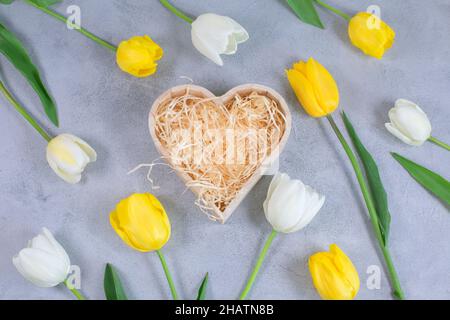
column 141, row 221
column 314, row 87
column 334, row 275
column 137, row 56
column 370, row 34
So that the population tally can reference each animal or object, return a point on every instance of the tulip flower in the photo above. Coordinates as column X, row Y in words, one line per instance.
column 142, row 223
column 318, row 94
column 44, row 262
column 334, row 275
column 289, row 207
column 135, row 56
column 67, row 154
column 410, row 124
column 314, row 87
column 370, row 34
column 212, row 34
column 366, row 31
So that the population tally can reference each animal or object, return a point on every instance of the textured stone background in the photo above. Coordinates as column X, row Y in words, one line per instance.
column 109, row 109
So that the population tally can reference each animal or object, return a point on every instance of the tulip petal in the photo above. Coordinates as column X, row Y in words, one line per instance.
column 325, row 88
column 276, row 180
column 206, row 50
column 300, row 66
column 393, row 130
column 40, row 267
column 56, row 246
column 346, row 267
column 334, row 275
column 370, row 34
column 90, row 152
column 137, row 56
column 142, row 223
column 67, row 154
column 286, row 205
column 231, row 46
column 36, row 281
column 213, row 35
column 115, row 223
column 304, row 91
column 313, row 203
column 411, row 120
column 240, row 34
column 70, row 178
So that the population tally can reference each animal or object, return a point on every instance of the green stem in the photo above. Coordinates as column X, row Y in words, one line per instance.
column 439, row 143
column 24, row 113
column 168, row 276
column 176, row 11
column 334, row 10
column 75, row 292
column 262, row 255
column 76, row 27
column 398, row 292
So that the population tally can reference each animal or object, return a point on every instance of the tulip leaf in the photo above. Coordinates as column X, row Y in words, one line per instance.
column 430, row 180
column 377, row 191
column 306, row 12
column 112, row 284
column 45, row 3
column 202, row 290
column 14, row 51
column 6, row 1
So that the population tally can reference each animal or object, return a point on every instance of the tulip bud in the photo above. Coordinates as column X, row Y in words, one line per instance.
column 137, row 56
column 44, row 262
column 213, row 35
column 409, row 123
column 314, row 87
column 141, row 221
column 334, row 275
column 290, row 205
column 370, row 34
column 68, row 156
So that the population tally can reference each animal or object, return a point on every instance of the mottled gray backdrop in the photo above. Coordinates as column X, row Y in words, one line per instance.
column 108, row 108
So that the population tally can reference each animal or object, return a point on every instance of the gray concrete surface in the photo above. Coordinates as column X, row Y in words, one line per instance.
column 109, row 109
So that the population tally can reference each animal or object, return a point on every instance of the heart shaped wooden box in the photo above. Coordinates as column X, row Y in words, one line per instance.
column 242, row 90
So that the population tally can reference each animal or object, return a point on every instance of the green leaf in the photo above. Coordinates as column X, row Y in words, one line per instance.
column 202, row 290
column 14, row 51
column 112, row 285
column 377, row 191
column 430, row 180
column 6, row 1
column 306, row 12
column 45, row 3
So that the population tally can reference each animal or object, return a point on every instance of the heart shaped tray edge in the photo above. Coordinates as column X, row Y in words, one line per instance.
column 246, row 88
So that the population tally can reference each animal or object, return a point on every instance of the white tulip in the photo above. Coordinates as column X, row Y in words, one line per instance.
column 409, row 123
column 214, row 35
column 68, row 156
column 290, row 205
column 44, row 262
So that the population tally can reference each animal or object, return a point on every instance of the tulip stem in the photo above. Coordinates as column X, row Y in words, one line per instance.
column 440, row 143
column 176, row 11
column 24, row 113
column 75, row 292
column 398, row 292
column 168, row 276
column 261, row 257
column 334, row 10
column 76, row 27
